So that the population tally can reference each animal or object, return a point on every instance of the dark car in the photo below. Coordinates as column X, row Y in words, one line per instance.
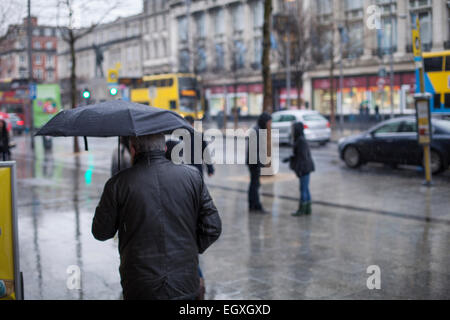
column 394, row 142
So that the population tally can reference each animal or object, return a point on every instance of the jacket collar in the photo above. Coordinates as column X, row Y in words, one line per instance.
column 151, row 155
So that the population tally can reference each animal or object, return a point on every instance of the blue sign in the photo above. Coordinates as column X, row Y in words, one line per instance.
column 32, row 91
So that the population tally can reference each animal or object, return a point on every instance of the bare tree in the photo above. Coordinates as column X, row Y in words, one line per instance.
column 71, row 34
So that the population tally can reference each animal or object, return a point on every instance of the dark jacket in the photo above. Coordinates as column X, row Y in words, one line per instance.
column 263, row 119
column 301, row 161
column 165, row 217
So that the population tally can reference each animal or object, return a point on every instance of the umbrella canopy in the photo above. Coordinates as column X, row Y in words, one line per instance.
column 113, row 118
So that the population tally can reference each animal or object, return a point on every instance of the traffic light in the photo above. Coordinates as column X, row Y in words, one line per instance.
column 86, row 94
column 113, row 91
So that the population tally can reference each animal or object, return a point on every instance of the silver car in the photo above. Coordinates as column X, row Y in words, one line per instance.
column 317, row 127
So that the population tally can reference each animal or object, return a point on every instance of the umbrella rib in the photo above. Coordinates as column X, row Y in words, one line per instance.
column 132, row 121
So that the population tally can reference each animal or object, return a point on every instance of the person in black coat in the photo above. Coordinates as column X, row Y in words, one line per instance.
column 4, row 141
column 255, row 168
column 302, row 164
column 165, row 218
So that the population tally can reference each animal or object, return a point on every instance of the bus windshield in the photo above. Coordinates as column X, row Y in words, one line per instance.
column 188, row 94
column 187, row 104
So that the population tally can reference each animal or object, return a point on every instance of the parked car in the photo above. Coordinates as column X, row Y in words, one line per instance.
column 317, row 127
column 18, row 125
column 395, row 142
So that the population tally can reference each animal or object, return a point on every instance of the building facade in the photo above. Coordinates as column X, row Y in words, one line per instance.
column 14, row 57
column 156, row 37
column 116, row 42
column 221, row 42
column 367, row 51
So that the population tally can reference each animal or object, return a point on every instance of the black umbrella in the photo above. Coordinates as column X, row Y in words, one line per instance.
column 113, row 118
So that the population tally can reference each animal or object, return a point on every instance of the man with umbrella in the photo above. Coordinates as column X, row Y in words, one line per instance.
column 162, row 212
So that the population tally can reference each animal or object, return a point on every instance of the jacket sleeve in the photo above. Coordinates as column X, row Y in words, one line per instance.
column 105, row 222
column 209, row 225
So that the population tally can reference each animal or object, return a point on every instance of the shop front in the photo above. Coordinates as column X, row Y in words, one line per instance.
column 247, row 98
column 368, row 90
column 296, row 98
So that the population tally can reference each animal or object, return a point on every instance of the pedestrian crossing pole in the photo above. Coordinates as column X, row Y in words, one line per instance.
column 422, row 101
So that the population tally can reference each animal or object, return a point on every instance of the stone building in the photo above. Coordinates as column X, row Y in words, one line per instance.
column 118, row 43
column 156, row 37
column 367, row 51
column 14, row 56
column 221, row 41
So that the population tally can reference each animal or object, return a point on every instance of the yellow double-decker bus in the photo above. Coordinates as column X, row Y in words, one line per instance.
column 175, row 91
column 437, row 80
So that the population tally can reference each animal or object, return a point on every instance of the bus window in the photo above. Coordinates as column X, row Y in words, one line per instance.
column 433, row 64
column 173, row 104
column 170, row 82
column 447, row 63
column 447, row 100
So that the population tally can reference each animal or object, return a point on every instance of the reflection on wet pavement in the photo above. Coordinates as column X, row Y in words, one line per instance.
column 371, row 216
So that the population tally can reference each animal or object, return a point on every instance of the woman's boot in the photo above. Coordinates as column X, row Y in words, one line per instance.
column 300, row 211
column 308, row 209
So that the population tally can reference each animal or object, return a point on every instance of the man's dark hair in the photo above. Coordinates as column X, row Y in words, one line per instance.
column 151, row 142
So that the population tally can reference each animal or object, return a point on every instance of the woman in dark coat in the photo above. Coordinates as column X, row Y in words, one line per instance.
column 302, row 164
column 4, row 141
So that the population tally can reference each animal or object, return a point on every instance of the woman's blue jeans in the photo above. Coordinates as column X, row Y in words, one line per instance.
column 305, row 195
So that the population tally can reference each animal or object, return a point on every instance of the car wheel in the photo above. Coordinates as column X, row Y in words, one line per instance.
column 352, row 157
column 436, row 162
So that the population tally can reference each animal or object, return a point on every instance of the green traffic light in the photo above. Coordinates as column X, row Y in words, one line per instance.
column 86, row 94
column 113, row 91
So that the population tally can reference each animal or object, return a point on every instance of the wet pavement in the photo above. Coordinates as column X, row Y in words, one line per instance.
column 371, row 216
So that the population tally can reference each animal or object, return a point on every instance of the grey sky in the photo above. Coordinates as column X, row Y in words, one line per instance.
column 86, row 11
